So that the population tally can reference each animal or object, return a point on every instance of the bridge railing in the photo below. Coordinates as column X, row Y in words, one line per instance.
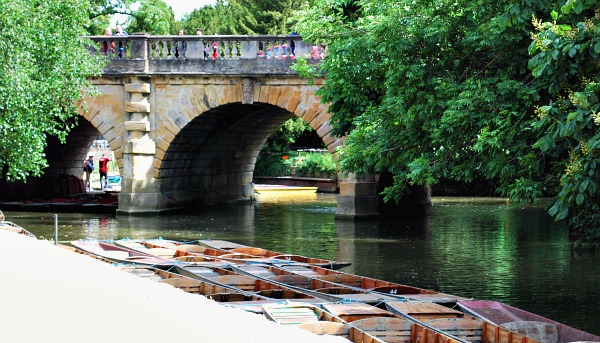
column 136, row 47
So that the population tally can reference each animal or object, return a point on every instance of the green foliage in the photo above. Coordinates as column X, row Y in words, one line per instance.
column 46, row 69
column 272, row 164
column 449, row 90
column 428, row 91
column 303, row 164
column 242, row 17
column 565, row 57
column 315, row 164
column 102, row 10
column 153, row 17
column 282, row 139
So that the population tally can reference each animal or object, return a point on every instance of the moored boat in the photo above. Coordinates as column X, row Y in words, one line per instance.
column 228, row 278
column 170, row 250
column 307, row 317
column 457, row 324
column 10, row 226
column 371, row 285
column 260, row 252
column 232, row 252
column 281, row 189
column 372, row 324
column 121, row 254
column 209, row 290
column 330, row 291
column 526, row 323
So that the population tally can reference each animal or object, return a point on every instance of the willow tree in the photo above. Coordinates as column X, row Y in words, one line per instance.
column 46, row 69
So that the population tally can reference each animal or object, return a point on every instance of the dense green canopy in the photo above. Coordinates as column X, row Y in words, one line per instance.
column 46, row 69
column 439, row 90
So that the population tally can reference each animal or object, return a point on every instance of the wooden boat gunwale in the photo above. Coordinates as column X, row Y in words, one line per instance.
column 181, row 254
column 10, row 226
column 320, row 292
column 489, row 332
column 323, row 273
column 183, row 258
column 134, row 256
column 565, row 332
column 270, row 286
column 185, row 283
column 283, row 257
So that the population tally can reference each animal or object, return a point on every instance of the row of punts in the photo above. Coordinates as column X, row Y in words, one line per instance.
column 315, row 295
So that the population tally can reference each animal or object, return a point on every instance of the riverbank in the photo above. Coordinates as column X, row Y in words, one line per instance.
column 50, row 294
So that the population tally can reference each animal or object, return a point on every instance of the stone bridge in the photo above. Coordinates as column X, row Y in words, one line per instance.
column 186, row 117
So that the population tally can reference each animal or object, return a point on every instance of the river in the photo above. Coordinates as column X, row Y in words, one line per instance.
column 472, row 247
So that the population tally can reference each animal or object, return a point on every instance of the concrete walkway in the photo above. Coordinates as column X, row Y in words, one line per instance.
column 50, row 294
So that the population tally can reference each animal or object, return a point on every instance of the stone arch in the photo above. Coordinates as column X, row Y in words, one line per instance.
column 208, row 134
column 106, row 112
column 182, row 102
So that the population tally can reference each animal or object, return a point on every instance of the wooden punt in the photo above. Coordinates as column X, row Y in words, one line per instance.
column 456, row 324
column 372, row 324
column 209, row 290
column 121, row 254
column 168, row 250
column 255, row 251
column 228, row 278
column 371, row 285
column 307, row 317
column 333, row 292
column 10, row 226
column 293, row 313
column 525, row 323
column 357, row 322
column 193, row 252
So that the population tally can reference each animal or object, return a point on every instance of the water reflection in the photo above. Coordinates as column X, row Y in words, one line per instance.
column 481, row 248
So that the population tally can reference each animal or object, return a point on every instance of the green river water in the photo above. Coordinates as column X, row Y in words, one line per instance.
column 472, row 247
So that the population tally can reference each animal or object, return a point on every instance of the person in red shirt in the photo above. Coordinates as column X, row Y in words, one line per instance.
column 103, row 162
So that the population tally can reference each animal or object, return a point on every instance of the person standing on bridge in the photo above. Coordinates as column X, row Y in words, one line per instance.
column 103, row 163
column 108, row 46
column 120, row 32
column 180, row 46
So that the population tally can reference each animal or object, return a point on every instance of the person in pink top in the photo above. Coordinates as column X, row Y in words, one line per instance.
column 103, row 162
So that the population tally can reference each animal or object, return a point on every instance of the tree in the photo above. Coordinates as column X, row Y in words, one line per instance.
column 565, row 53
column 46, row 73
column 242, row 17
column 153, row 17
column 101, row 12
column 434, row 90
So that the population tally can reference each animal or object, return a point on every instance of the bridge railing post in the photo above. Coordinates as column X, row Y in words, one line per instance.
column 138, row 45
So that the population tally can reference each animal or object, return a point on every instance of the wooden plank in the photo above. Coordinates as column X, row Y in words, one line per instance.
column 423, row 309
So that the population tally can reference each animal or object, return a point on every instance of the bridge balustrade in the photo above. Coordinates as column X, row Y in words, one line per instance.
column 228, row 47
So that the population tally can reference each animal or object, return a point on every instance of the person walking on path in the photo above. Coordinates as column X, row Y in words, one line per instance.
column 88, row 168
column 103, row 163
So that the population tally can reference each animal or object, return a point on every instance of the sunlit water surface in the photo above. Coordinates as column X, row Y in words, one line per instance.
column 472, row 247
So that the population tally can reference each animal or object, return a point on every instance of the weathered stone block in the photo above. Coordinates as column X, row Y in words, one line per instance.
column 137, row 125
column 139, row 146
column 139, row 106
column 354, row 189
column 137, row 88
column 357, row 207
